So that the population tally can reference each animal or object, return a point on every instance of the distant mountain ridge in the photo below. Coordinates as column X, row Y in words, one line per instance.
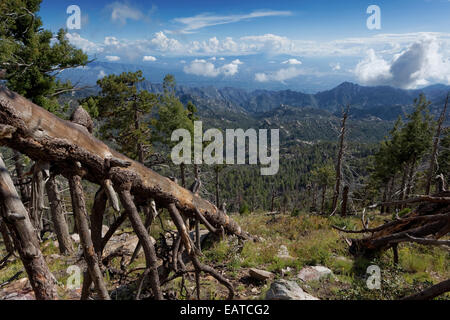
column 382, row 102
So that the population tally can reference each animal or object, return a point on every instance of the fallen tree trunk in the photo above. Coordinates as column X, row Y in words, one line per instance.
column 427, row 223
column 80, row 213
column 57, row 213
column 43, row 136
column 431, row 292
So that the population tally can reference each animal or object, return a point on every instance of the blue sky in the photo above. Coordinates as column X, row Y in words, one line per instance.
column 268, row 43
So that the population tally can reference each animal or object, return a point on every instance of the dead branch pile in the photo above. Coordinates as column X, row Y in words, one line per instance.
column 425, row 224
column 74, row 153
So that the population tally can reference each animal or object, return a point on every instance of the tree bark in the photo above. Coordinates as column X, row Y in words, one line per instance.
column 57, row 214
column 97, row 213
column 80, row 213
column 144, row 238
column 98, row 210
column 430, row 220
column 25, row 240
column 431, row 292
column 147, row 224
column 7, row 240
column 37, row 198
column 18, row 163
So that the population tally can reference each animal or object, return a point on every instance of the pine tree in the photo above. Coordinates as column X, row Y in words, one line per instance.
column 124, row 112
column 32, row 56
column 173, row 115
column 324, row 176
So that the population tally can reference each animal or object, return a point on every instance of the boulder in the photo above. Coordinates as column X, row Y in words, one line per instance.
column 314, row 273
column 287, row 290
column 260, row 275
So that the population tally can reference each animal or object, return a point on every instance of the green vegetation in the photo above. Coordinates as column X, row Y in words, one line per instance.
column 311, row 241
column 33, row 56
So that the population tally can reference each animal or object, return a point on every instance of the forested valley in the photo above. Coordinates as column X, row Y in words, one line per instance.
column 92, row 206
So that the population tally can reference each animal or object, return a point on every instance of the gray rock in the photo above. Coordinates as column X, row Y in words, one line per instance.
column 261, row 275
column 314, row 273
column 287, row 290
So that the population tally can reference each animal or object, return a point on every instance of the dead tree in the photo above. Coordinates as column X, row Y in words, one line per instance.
column 45, row 137
column 7, row 240
column 18, row 163
column 440, row 183
column 150, row 216
column 432, row 165
column 337, row 185
column 431, row 292
column 80, row 213
column 37, row 196
column 57, row 214
column 191, row 250
column 429, row 221
column 97, row 212
column 25, row 239
column 144, row 238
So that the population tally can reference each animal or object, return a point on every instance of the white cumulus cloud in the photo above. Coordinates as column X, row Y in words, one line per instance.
column 280, row 75
column 111, row 41
column 201, row 67
column 82, row 43
column 292, row 61
column 148, row 58
column 112, row 58
column 419, row 64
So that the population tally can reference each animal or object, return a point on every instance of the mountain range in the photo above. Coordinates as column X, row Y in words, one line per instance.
column 382, row 102
column 305, row 117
